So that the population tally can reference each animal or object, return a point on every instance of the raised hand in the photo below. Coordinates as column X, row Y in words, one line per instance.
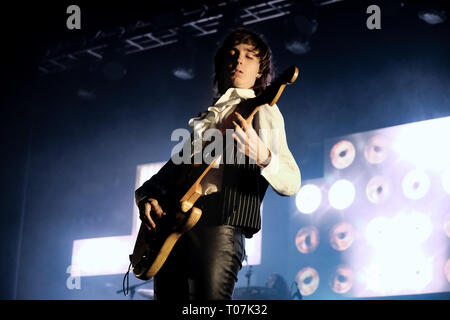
column 248, row 141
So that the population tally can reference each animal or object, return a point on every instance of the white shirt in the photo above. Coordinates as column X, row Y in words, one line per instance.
column 282, row 172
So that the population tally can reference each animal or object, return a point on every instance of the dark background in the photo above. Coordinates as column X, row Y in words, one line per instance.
column 69, row 163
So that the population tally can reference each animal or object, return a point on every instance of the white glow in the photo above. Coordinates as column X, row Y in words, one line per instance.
column 416, row 184
column 413, row 228
column 446, row 180
column 101, row 256
column 378, row 232
column 405, row 229
column 341, row 194
column 253, row 245
column 425, row 144
column 397, row 264
column 308, row 198
column 395, row 272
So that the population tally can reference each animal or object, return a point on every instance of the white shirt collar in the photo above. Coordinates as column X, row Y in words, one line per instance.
column 232, row 93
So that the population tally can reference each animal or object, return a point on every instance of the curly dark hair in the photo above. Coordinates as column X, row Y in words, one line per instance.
column 245, row 36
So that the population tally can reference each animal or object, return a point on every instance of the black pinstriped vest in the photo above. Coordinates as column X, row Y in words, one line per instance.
column 242, row 192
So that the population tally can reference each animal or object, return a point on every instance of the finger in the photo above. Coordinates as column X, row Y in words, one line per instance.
column 150, row 223
column 244, row 122
column 238, row 139
column 156, row 207
column 239, row 131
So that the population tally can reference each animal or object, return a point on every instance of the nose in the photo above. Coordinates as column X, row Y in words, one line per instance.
column 240, row 58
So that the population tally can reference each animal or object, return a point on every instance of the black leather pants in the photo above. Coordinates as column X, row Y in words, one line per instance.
column 205, row 261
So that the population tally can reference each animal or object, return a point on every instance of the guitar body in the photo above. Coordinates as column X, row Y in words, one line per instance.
column 152, row 248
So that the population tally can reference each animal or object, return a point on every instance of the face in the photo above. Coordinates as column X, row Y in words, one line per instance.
column 242, row 66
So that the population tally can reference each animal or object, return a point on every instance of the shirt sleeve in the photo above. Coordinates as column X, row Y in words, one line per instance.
column 282, row 172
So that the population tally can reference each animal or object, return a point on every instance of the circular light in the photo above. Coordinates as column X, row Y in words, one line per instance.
column 342, row 154
column 307, row 281
column 307, row 239
column 308, row 198
column 342, row 280
column 341, row 194
column 378, row 190
column 416, row 184
column 378, row 232
column 415, row 227
column 342, row 236
column 375, row 151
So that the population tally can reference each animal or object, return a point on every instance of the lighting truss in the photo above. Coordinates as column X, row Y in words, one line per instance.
column 146, row 36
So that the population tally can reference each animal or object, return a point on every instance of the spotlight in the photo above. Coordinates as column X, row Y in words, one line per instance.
column 298, row 46
column 341, row 194
column 401, row 231
column 183, row 73
column 423, row 144
column 307, row 281
column 378, row 232
column 342, row 236
column 416, row 184
column 378, row 190
column 375, row 151
column 308, row 198
column 342, row 154
column 302, row 25
column 432, row 16
column 185, row 66
column 342, row 280
column 307, row 239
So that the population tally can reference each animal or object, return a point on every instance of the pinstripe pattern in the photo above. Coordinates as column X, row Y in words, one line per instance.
column 243, row 189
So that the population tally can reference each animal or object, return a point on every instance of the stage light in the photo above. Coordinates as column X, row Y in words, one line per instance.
column 398, row 272
column 378, row 233
column 341, row 194
column 183, row 73
column 423, row 144
column 303, row 24
column 397, row 263
column 414, row 227
column 376, row 150
column 308, row 198
column 402, row 230
column 342, row 154
column 446, row 180
column 307, row 239
column 342, row 236
column 342, row 280
column 416, row 184
column 431, row 16
column 307, row 281
column 378, row 189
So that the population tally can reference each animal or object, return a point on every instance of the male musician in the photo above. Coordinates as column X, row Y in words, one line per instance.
column 205, row 261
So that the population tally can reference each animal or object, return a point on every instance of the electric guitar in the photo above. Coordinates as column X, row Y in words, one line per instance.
column 153, row 247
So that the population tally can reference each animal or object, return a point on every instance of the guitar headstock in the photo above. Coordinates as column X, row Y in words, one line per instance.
column 271, row 94
column 288, row 76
